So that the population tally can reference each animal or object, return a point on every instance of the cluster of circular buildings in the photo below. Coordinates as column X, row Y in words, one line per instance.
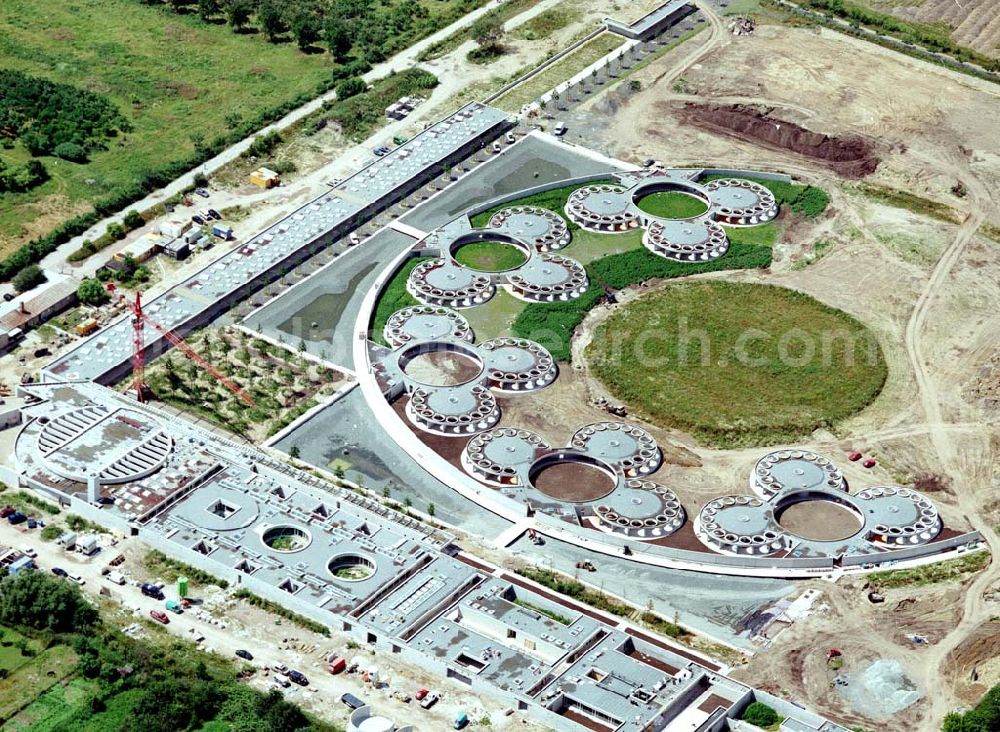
column 799, row 503
column 603, row 207
column 800, row 482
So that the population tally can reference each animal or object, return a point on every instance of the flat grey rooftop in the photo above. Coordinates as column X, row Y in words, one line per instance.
column 112, row 346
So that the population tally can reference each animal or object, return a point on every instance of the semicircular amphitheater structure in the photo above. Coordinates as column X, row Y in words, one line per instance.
column 437, row 387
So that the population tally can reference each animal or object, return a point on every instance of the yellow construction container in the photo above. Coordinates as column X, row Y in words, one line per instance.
column 87, row 327
column 265, row 178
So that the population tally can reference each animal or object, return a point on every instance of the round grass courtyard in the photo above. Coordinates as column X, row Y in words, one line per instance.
column 490, row 256
column 737, row 364
column 672, row 205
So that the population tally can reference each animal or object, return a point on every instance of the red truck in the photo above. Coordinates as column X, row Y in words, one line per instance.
column 159, row 616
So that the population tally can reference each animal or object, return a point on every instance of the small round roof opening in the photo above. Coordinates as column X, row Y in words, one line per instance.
column 286, row 539
column 351, row 567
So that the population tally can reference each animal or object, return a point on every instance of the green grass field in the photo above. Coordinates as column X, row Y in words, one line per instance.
column 490, row 256
column 394, row 296
column 173, row 76
column 177, row 79
column 29, row 680
column 737, row 364
column 672, row 205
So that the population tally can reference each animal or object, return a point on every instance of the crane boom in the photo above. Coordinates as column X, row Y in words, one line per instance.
column 139, row 319
column 179, row 342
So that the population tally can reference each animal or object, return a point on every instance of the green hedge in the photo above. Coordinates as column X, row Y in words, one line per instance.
column 553, row 323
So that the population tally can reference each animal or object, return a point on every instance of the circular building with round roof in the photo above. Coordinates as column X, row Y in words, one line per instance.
column 640, row 509
column 499, row 457
column 741, row 202
column 630, row 449
column 455, row 411
column 544, row 229
column 603, row 208
column 425, row 322
column 443, row 283
column 548, row 278
column 794, row 470
column 517, row 365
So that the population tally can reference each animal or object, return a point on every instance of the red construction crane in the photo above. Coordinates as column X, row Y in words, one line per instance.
column 139, row 320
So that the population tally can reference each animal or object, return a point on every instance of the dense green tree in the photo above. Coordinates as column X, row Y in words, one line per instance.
column 337, row 38
column 270, row 19
column 488, row 31
column 29, row 278
column 22, row 178
column 306, row 26
column 92, row 292
column 238, row 13
column 46, row 114
column 208, row 9
column 760, row 714
column 70, row 151
column 351, row 87
column 38, row 600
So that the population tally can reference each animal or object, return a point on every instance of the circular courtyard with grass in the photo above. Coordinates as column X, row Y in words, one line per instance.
column 672, row 205
column 737, row 364
column 490, row 256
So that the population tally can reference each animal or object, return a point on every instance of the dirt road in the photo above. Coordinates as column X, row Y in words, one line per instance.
column 227, row 625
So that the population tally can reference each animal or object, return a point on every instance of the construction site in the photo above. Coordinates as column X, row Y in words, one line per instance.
column 383, row 406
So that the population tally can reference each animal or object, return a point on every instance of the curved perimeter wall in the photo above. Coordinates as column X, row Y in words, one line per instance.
column 514, row 511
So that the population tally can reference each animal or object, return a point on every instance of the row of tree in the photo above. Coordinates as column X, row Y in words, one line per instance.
column 48, row 116
column 339, row 24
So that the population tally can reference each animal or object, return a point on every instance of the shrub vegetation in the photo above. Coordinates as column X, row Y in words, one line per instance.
column 760, row 714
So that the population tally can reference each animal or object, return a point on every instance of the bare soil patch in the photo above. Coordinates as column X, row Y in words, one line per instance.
column 851, row 156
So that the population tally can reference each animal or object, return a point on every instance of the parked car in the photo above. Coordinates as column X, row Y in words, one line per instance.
column 17, row 518
column 59, row 572
column 106, row 500
column 496, row 147
column 354, row 238
column 352, row 701
column 6, row 511
column 7, row 297
column 245, row 655
column 280, row 668
column 28, row 551
column 214, row 214
column 151, row 591
column 509, row 137
column 648, row 162
column 282, row 680
column 380, row 150
column 32, row 523
column 461, row 721
column 398, row 140
column 430, row 700
column 401, row 696
column 76, row 578
column 201, row 192
column 298, row 677
column 159, row 616
column 173, row 606
column 419, row 696
column 198, row 220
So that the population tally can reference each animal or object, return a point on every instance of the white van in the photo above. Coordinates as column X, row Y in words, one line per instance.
column 560, row 129
column 282, row 681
